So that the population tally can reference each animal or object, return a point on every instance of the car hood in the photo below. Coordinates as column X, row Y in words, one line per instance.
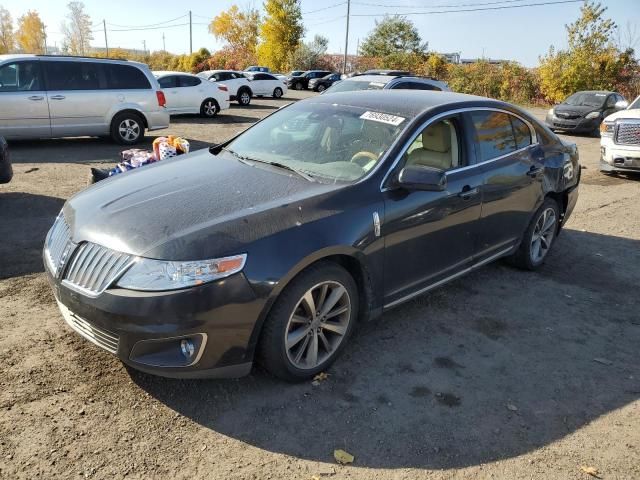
column 195, row 206
column 633, row 113
column 575, row 109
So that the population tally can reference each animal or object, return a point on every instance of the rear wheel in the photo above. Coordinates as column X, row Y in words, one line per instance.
column 321, row 88
column 298, row 86
column 539, row 237
column 244, row 97
column 209, row 108
column 277, row 93
column 310, row 323
column 127, row 128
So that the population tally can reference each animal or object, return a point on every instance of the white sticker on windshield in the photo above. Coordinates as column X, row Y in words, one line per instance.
column 601, row 94
column 382, row 118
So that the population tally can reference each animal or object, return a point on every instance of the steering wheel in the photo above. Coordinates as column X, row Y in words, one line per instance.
column 363, row 158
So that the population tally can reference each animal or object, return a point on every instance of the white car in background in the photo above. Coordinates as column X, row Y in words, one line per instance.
column 266, row 84
column 186, row 93
column 620, row 140
column 236, row 82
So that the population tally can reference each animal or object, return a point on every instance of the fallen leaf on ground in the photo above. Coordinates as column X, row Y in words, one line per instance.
column 321, row 376
column 512, row 407
column 315, row 477
column 590, row 471
column 342, row 457
column 603, row 361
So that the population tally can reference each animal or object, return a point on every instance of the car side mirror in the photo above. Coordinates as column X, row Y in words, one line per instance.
column 621, row 104
column 417, row 177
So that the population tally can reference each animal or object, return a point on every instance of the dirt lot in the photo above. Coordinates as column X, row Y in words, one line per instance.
column 502, row 374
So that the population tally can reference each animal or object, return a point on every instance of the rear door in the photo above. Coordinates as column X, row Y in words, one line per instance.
column 24, row 109
column 169, row 85
column 192, row 93
column 513, row 172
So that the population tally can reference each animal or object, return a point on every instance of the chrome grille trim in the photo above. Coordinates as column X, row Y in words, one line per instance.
column 628, row 133
column 58, row 245
column 101, row 337
column 94, row 268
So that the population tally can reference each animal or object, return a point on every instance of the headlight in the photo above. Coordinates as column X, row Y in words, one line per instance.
column 606, row 129
column 592, row 115
column 148, row 274
column 550, row 112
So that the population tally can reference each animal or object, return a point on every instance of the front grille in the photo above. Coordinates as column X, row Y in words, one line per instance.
column 58, row 245
column 628, row 133
column 101, row 337
column 94, row 267
column 568, row 115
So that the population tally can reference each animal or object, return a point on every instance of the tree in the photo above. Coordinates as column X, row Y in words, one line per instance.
column 31, row 34
column 392, row 36
column 77, row 30
column 7, row 38
column 591, row 61
column 281, row 32
column 309, row 55
column 239, row 28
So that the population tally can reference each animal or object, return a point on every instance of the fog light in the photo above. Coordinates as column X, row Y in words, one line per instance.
column 188, row 348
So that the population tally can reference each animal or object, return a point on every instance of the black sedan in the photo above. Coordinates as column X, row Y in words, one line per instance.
column 332, row 210
column 301, row 82
column 6, row 171
column 583, row 112
column 321, row 84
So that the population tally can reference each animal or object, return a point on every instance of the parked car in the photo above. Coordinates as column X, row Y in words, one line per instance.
column 583, row 112
column 388, row 82
column 330, row 211
column 265, row 84
column 321, row 84
column 236, row 83
column 280, row 76
column 187, row 93
column 620, row 140
column 301, row 82
column 392, row 73
column 60, row 96
column 6, row 171
column 255, row 68
column 295, row 73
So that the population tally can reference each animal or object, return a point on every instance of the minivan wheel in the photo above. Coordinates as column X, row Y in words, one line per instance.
column 209, row 108
column 277, row 93
column 244, row 97
column 127, row 128
column 309, row 323
column 539, row 237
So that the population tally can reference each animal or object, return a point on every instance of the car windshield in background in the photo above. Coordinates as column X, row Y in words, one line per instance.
column 586, row 99
column 330, row 143
column 353, row 85
column 635, row 104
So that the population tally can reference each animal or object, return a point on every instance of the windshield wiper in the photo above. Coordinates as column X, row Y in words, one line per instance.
column 246, row 159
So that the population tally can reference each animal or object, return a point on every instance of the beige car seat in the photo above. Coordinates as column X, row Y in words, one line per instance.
column 439, row 147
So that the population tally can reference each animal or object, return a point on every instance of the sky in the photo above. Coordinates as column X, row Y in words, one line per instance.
column 520, row 34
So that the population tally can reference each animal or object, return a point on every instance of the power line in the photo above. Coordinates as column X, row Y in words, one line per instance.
column 147, row 28
column 149, row 25
column 329, row 20
column 324, row 8
column 504, row 7
column 477, row 4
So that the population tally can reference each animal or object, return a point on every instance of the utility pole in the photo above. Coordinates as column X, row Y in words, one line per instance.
column 44, row 36
column 144, row 47
column 190, row 34
column 346, row 38
column 164, row 48
column 106, row 44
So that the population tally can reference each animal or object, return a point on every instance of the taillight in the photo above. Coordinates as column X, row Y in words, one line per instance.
column 161, row 100
column 223, row 88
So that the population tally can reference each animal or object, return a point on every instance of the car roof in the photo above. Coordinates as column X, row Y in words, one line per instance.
column 407, row 103
column 164, row 73
column 606, row 92
column 387, row 78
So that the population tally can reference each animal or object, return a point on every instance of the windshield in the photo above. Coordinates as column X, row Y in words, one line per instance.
column 328, row 142
column 635, row 104
column 586, row 99
column 353, row 85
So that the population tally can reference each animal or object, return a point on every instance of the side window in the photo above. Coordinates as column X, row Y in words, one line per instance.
column 260, row 76
column 186, row 81
column 73, row 75
column 611, row 101
column 493, row 134
column 168, row 82
column 402, row 86
column 266, row 76
column 21, row 77
column 521, row 132
column 424, row 86
column 125, row 77
column 437, row 146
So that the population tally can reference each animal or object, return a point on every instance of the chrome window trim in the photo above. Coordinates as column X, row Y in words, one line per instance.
column 426, row 123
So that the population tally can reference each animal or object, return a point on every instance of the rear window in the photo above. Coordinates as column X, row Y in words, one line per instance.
column 187, row 81
column 493, row 134
column 125, row 77
column 522, row 132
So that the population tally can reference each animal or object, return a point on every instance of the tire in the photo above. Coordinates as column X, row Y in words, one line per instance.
column 321, row 88
column 298, row 86
column 244, row 97
column 297, row 362
column 277, row 93
column 209, row 108
column 529, row 256
column 127, row 128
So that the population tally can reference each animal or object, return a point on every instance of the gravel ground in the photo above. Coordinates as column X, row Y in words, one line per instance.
column 501, row 374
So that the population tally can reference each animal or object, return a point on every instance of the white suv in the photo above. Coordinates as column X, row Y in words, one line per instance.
column 236, row 82
column 620, row 140
column 57, row 96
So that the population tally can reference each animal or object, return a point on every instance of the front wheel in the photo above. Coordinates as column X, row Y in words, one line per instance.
column 539, row 237
column 209, row 108
column 244, row 97
column 310, row 323
column 321, row 88
column 127, row 128
column 277, row 93
column 298, row 86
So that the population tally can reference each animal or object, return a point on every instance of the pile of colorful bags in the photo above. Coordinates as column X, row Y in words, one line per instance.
column 163, row 148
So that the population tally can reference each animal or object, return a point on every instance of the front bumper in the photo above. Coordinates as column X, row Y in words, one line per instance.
column 618, row 158
column 144, row 329
column 578, row 125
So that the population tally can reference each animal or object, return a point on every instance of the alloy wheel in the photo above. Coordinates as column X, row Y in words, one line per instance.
column 318, row 325
column 321, row 88
column 277, row 93
column 245, row 98
column 543, row 234
column 210, row 108
column 129, row 129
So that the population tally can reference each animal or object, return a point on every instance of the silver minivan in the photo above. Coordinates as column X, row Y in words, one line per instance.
column 56, row 96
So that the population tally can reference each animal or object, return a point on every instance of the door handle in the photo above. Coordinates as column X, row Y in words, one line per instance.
column 534, row 172
column 35, row 98
column 468, row 192
column 57, row 97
